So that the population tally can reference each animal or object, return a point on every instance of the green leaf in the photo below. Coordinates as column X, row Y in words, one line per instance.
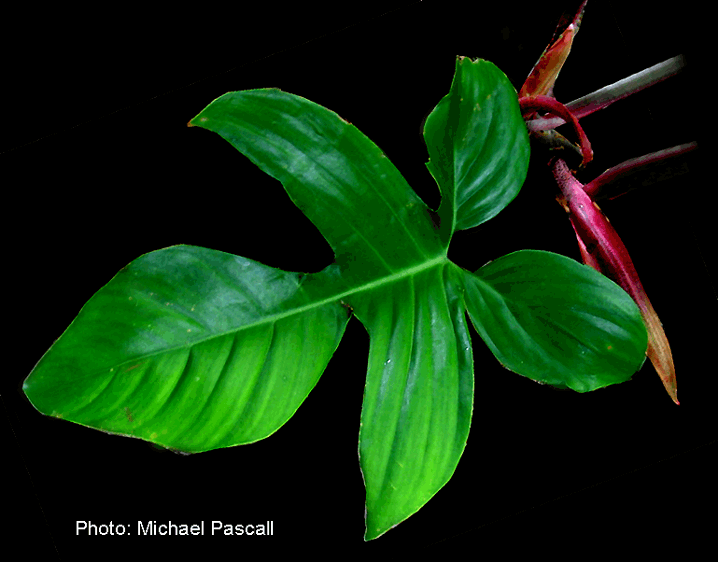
column 478, row 146
column 554, row 320
column 192, row 349
column 343, row 182
column 196, row 349
column 419, row 392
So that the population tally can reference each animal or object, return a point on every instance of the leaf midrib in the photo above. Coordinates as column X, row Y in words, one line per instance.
column 384, row 280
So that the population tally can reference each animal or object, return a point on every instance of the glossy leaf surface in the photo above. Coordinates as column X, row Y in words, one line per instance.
column 339, row 179
column 551, row 319
column 197, row 349
column 190, row 348
column 419, row 392
column 478, row 147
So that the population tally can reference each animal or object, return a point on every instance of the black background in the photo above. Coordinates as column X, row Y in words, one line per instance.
column 100, row 168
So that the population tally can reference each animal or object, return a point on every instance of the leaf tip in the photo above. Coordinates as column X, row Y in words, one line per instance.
column 201, row 120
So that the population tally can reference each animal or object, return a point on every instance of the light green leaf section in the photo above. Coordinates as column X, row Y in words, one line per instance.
column 554, row 320
column 192, row 349
column 419, row 391
column 354, row 195
column 478, row 146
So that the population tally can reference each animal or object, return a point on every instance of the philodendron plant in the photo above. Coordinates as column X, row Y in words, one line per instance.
column 195, row 349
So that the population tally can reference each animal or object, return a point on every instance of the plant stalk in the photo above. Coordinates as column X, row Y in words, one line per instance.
column 633, row 166
column 602, row 249
column 606, row 96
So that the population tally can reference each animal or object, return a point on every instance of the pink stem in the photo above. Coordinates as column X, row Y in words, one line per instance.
column 551, row 105
column 603, row 249
column 630, row 166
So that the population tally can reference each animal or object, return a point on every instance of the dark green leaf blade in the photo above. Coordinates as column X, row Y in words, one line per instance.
column 339, row 178
column 419, row 392
column 478, row 146
column 190, row 348
column 556, row 321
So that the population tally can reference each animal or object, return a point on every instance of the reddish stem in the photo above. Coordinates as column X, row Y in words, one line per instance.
column 551, row 105
column 603, row 249
column 635, row 164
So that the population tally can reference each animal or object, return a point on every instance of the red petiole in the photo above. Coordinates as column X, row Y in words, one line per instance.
column 551, row 105
column 600, row 245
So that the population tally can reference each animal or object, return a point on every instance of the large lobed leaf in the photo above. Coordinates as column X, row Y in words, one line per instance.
column 197, row 349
